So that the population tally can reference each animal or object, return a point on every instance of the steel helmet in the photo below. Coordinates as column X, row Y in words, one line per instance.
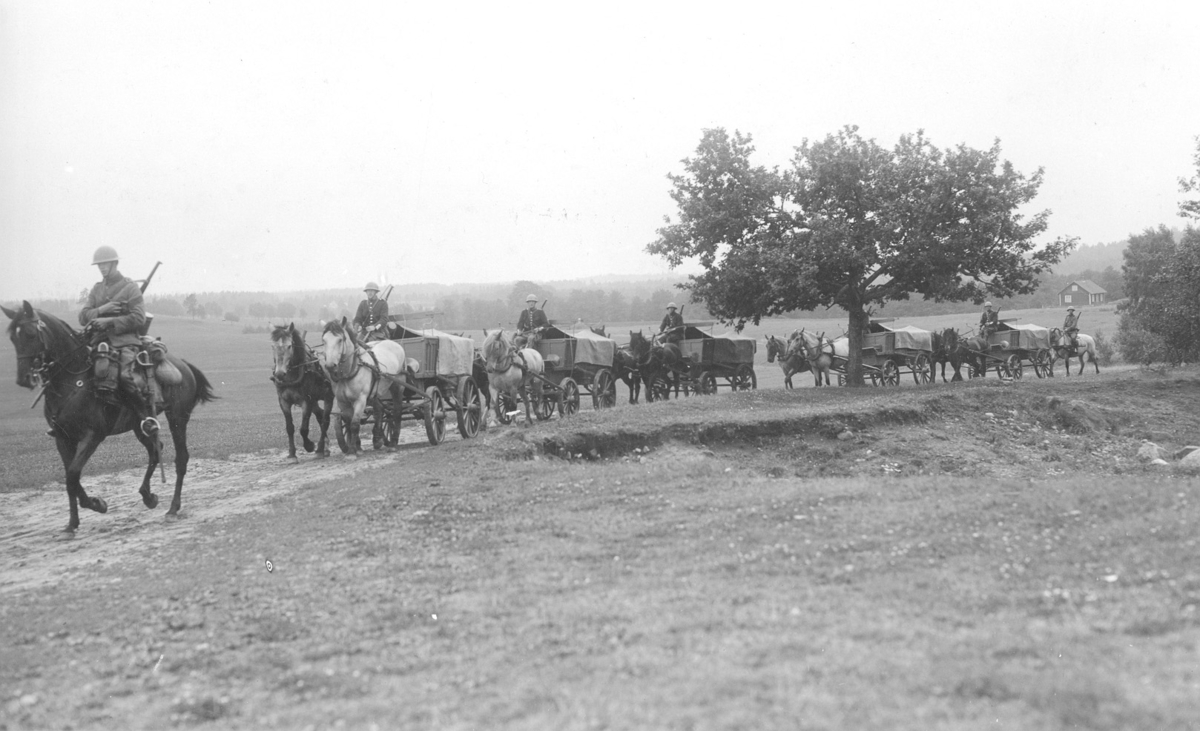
column 531, row 298
column 104, row 255
column 987, row 304
column 672, row 306
column 371, row 286
column 1071, row 309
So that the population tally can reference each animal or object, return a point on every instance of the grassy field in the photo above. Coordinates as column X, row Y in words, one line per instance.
column 983, row 554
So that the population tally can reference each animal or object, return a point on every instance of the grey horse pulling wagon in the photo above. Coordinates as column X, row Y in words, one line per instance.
column 575, row 363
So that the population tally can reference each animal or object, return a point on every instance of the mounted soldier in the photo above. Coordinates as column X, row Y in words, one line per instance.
column 372, row 315
column 989, row 321
column 671, row 328
column 115, row 316
column 1071, row 328
column 530, row 324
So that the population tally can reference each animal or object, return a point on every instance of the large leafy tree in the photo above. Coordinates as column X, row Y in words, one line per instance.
column 854, row 225
column 1190, row 208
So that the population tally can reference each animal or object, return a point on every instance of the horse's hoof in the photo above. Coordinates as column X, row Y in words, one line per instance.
column 293, row 459
column 172, row 516
column 322, row 454
column 392, row 447
column 99, row 505
column 150, row 501
column 67, row 533
column 351, row 457
column 309, row 446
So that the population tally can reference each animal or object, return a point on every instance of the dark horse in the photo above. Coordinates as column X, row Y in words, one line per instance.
column 625, row 367
column 50, row 351
column 945, row 350
column 300, row 381
column 659, row 365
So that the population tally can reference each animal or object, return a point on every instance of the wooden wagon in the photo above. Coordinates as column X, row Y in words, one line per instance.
column 1012, row 346
column 710, row 361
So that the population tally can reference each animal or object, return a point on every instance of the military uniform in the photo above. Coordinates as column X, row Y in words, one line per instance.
column 528, row 325
column 988, row 322
column 117, row 339
column 372, row 316
column 1071, row 327
column 671, row 321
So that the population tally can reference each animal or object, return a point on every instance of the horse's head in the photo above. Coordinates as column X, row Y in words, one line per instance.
column 284, row 348
column 774, row 349
column 599, row 330
column 639, row 345
column 28, row 335
column 497, row 347
column 340, row 345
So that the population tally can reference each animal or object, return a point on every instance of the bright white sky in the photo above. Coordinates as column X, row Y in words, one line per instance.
column 292, row 145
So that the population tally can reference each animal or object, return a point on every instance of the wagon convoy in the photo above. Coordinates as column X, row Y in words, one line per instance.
column 573, row 363
column 694, row 364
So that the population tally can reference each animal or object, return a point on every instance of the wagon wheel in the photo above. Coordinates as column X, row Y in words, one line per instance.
column 470, row 408
column 890, row 375
column 391, row 424
column 1014, row 366
column 1041, row 363
column 706, row 383
column 841, row 379
column 504, row 407
column 544, row 407
column 660, row 389
column 434, row 412
column 604, row 390
column 1002, row 369
column 922, row 369
column 744, row 379
column 568, row 397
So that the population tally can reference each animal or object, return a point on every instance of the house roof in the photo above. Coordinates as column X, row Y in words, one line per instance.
column 1086, row 285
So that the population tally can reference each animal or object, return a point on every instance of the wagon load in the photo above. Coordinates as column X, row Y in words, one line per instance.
column 594, row 349
column 1012, row 346
column 438, row 353
column 888, row 351
column 707, row 358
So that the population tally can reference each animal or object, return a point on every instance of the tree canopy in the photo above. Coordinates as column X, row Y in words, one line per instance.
column 853, row 224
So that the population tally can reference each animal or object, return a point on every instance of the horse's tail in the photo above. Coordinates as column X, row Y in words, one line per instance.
column 204, row 389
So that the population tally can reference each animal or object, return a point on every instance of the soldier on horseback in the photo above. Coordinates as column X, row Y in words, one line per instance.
column 988, row 321
column 115, row 314
column 1071, row 328
column 671, row 329
column 372, row 315
column 530, row 324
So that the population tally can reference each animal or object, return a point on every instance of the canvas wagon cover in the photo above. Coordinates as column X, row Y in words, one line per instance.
column 455, row 355
column 891, row 339
column 594, row 349
column 1034, row 337
column 733, row 348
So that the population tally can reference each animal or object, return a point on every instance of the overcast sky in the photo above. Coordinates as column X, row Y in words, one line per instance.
column 261, row 145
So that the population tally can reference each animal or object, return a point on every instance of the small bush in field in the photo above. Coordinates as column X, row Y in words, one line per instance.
column 1105, row 350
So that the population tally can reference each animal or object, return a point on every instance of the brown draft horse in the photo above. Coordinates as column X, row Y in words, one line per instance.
column 659, row 365
column 300, row 381
column 946, row 350
column 52, row 352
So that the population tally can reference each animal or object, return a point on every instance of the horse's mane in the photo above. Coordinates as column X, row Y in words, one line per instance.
column 281, row 333
column 496, row 346
column 335, row 327
column 60, row 332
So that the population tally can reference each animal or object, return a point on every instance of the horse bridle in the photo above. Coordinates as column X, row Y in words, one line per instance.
column 41, row 364
column 302, row 368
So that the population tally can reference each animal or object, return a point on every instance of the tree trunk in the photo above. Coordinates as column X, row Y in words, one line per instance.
column 859, row 321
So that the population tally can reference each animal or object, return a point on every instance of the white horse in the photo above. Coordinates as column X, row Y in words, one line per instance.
column 819, row 351
column 1060, row 346
column 512, row 371
column 361, row 374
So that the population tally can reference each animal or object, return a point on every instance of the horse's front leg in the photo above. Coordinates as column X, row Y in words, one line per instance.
column 286, row 408
column 74, row 456
column 153, row 457
column 323, row 417
column 307, row 410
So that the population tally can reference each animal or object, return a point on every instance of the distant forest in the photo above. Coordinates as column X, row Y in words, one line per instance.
column 595, row 301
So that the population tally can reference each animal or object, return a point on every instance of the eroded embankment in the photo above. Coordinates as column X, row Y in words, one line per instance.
column 1133, row 410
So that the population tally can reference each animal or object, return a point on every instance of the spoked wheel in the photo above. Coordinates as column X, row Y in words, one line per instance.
column 505, row 406
column 922, row 369
column 890, row 375
column 744, row 379
column 604, row 390
column 544, row 408
column 706, row 384
column 391, row 426
column 841, row 379
column 568, row 397
column 1041, row 363
column 470, row 408
column 1002, row 369
column 434, row 412
column 660, row 389
column 1014, row 367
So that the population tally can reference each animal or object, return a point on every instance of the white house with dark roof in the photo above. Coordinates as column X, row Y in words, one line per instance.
column 1081, row 293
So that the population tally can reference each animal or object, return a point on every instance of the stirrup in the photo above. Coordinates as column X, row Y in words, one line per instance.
column 149, row 426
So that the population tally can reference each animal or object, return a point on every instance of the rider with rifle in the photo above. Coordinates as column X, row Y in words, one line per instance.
column 530, row 324
column 989, row 321
column 115, row 315
column 671, row 329
column 372, row 315
column 1071, row 328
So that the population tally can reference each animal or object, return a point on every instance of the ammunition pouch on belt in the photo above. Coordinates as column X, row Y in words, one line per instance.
column 105, row 369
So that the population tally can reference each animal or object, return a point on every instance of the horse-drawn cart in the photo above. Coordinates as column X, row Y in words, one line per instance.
column 574, row 363
column 1011, row 347
column 705, row 359
column 440, row 382
column 889, row 352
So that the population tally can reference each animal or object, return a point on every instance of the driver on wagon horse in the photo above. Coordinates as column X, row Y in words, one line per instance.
column 372, row 315
column 671, row 329
column 1071, row 328
column 989, row 320
column 115, row 314
column 530, row 324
